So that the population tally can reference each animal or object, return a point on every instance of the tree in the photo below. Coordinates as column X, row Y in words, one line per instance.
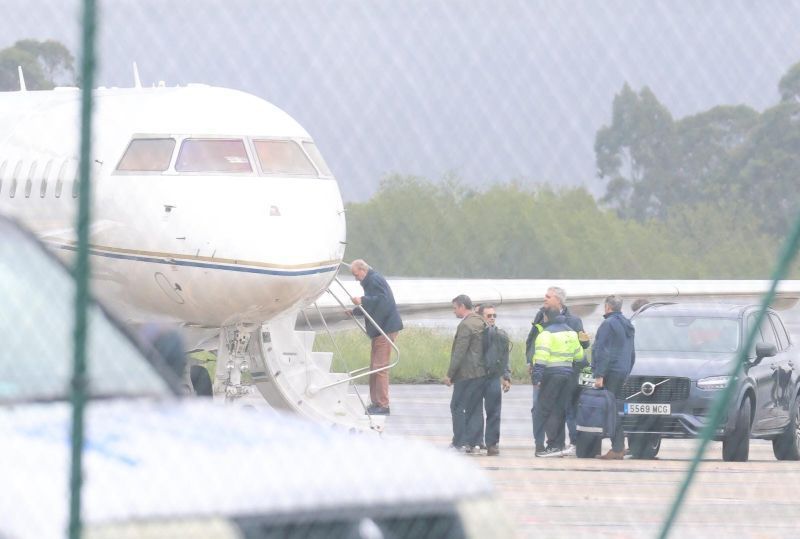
column 635, row 154
column 789, row 85
column 706, row 144
column 413, row 227
column 655, row 165
column 723, row 238
column 766, row 171
column 45, row 64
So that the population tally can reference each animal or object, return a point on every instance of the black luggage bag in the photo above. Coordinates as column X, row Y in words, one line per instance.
column 595, row 419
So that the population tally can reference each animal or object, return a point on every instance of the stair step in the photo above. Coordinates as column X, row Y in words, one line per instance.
column 307, row 339
column 322, row 360
column 295, row 374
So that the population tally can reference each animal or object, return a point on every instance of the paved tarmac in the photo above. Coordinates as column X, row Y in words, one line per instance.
column 569, row 497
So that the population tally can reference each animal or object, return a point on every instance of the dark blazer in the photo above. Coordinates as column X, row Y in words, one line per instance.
column 378, row 301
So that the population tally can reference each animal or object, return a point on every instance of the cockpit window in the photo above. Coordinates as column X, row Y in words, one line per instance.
column 147, row 155
column 213, row 155
column 283, row 157
column 313, row 152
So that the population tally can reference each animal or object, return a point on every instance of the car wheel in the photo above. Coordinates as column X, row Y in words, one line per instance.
column 787, row 445
column 644, row 446
column 736, row 446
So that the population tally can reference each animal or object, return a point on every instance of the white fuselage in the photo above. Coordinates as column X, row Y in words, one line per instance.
column 189, row 241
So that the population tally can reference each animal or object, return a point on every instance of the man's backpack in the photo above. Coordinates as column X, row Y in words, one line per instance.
column 495, row 350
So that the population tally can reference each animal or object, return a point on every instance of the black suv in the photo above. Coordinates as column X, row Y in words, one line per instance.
column 684, row 355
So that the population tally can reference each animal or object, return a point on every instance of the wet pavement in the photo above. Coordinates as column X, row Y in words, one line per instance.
column 569, row 497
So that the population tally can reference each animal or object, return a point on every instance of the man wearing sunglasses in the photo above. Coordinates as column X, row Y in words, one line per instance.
column 496, row 348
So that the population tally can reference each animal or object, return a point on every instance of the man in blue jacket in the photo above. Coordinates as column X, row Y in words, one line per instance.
column 378, row 301
column 613, row 357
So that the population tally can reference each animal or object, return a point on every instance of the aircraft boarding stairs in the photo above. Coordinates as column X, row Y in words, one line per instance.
column 283, row 366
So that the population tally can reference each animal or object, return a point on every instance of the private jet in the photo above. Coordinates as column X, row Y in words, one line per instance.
column 212, row 209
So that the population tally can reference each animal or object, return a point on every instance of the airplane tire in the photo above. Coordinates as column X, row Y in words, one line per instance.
column 201, row 381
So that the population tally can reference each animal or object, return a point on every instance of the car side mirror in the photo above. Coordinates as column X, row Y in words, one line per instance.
column 765, row 350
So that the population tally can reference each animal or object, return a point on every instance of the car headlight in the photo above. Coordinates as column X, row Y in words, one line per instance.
column 714, row 382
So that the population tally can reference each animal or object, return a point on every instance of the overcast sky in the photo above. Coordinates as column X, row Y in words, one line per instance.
column 489, row 90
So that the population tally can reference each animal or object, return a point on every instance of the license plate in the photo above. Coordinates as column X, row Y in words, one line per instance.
column 646, row 408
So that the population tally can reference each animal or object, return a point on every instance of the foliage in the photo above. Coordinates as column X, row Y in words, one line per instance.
column 413, row 227
column 45, row 64
column 789, row 85
column 765, row 172
column 425, row 355
column 655, row 166
column 634, row 152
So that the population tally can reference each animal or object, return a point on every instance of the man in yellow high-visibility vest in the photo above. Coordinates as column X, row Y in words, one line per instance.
column 558, row 352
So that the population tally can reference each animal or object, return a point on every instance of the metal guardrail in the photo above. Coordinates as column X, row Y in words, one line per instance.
column 338, row 351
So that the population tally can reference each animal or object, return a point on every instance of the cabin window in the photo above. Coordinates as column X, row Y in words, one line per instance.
column 147, row 155
column 12, row 191
column 45, row 175
column 62, row 172
column 213, row 155
column 313, row 153
column 29, row 181
column 283, row 157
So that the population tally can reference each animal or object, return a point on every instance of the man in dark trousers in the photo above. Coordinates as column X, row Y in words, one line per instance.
column 555, row 299
column 467, row 373
column 378, row 301
column 613, row 357
column 496, row 348
column 558, row 355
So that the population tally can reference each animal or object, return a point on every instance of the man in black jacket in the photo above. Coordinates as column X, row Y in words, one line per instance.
column 496, row 347
column 613, row 356
column 555, row 299
column 378, row 301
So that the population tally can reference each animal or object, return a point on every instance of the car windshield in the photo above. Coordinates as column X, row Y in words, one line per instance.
column 36, row 329
column 686, row 334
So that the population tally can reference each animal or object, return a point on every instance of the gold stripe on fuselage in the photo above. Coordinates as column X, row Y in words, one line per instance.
column 195, row 258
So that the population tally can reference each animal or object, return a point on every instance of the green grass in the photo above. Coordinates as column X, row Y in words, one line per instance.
column 424, row 355
column 206, row 359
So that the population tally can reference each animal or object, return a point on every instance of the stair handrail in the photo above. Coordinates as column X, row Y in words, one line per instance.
column 351, row 376
column 339, row 351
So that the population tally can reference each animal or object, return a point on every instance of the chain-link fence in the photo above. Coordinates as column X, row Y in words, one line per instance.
column 240, row 151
